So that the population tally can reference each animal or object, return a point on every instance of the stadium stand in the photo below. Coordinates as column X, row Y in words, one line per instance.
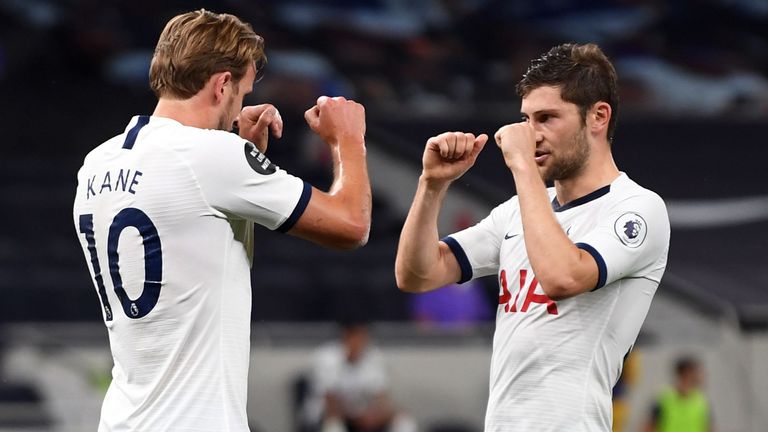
column 694, row 108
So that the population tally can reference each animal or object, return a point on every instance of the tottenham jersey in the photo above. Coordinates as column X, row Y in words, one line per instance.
column 165, row 213
column 555, row 363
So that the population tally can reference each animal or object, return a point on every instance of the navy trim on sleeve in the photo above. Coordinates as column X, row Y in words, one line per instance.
column 306, row 194
column 130, row 138
column 461, row 257
column 602, row 270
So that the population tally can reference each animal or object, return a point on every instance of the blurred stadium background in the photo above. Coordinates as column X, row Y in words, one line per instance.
column 693, row 127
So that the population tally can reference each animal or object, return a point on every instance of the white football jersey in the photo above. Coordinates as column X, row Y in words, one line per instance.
column 165, row 213
column 555, row 363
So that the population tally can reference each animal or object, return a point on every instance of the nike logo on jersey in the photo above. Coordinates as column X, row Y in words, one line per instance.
column 507, row 236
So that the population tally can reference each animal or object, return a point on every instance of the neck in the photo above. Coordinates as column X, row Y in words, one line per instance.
column 189, row 112
column 600, row 170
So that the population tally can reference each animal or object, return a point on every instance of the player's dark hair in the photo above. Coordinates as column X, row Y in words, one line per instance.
column 584, row 75
column 195, row 45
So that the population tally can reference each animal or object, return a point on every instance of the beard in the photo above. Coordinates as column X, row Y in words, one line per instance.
column 226, row 119
column 571, row 162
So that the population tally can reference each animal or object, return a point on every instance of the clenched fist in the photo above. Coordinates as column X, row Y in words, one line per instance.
column 517, row 142
column 449, row 155
column 337, row 120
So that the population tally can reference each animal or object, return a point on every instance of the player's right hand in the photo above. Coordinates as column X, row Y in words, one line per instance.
column 449, row 155
column 255, row 122
column 337, row 120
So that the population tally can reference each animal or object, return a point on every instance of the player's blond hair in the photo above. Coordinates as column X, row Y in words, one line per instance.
column 195, row 45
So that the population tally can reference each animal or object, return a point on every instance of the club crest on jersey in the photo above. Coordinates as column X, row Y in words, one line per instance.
column 257, row 160
column 631, row 229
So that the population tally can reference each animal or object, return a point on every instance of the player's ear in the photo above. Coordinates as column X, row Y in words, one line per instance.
column 220, row 82
column 599, row 117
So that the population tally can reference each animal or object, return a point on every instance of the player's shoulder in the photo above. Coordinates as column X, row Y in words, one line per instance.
column 511, row 204
column 179, row 135
column 624, row 188
column 200, row 147
column 213, row 137
column 639, row 207
column 205, row 143
column 98, row 153
column 505, row 210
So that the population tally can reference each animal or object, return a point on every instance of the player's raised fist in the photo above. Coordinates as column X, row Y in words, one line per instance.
column 337, row 120
column 517, row 142
column 449, row 155
column 255, row 122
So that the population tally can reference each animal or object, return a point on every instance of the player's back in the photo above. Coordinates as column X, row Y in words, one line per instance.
column 172, row 274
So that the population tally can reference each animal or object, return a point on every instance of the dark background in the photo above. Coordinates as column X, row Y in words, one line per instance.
column 694, row 105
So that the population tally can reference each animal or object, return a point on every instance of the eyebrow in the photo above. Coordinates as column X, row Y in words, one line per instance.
column 542, row 111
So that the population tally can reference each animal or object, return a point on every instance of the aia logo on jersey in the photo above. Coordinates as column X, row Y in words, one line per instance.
column 257, row 160
column 530, row 295
column 631, row 229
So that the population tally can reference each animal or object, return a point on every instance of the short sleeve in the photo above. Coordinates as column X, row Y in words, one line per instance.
column 477, row 248
column 236, row 178
column 631, row 239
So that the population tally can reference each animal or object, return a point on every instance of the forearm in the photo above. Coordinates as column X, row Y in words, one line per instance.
column 418, row 252
column 341, row 217
column 424, row 263
column 555, row 260
column 350, row 170
column 351, row 188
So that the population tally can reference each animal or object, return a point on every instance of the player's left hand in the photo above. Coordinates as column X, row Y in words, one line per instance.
column 256, row 121
column 517, row 142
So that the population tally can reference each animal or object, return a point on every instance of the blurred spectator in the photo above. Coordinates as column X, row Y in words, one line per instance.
column 348, row 388
column 684, row 407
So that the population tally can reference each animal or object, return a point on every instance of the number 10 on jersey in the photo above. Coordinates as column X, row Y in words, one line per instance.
column 153, row 262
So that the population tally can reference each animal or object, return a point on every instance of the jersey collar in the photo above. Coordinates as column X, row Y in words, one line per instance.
column 581, row 200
